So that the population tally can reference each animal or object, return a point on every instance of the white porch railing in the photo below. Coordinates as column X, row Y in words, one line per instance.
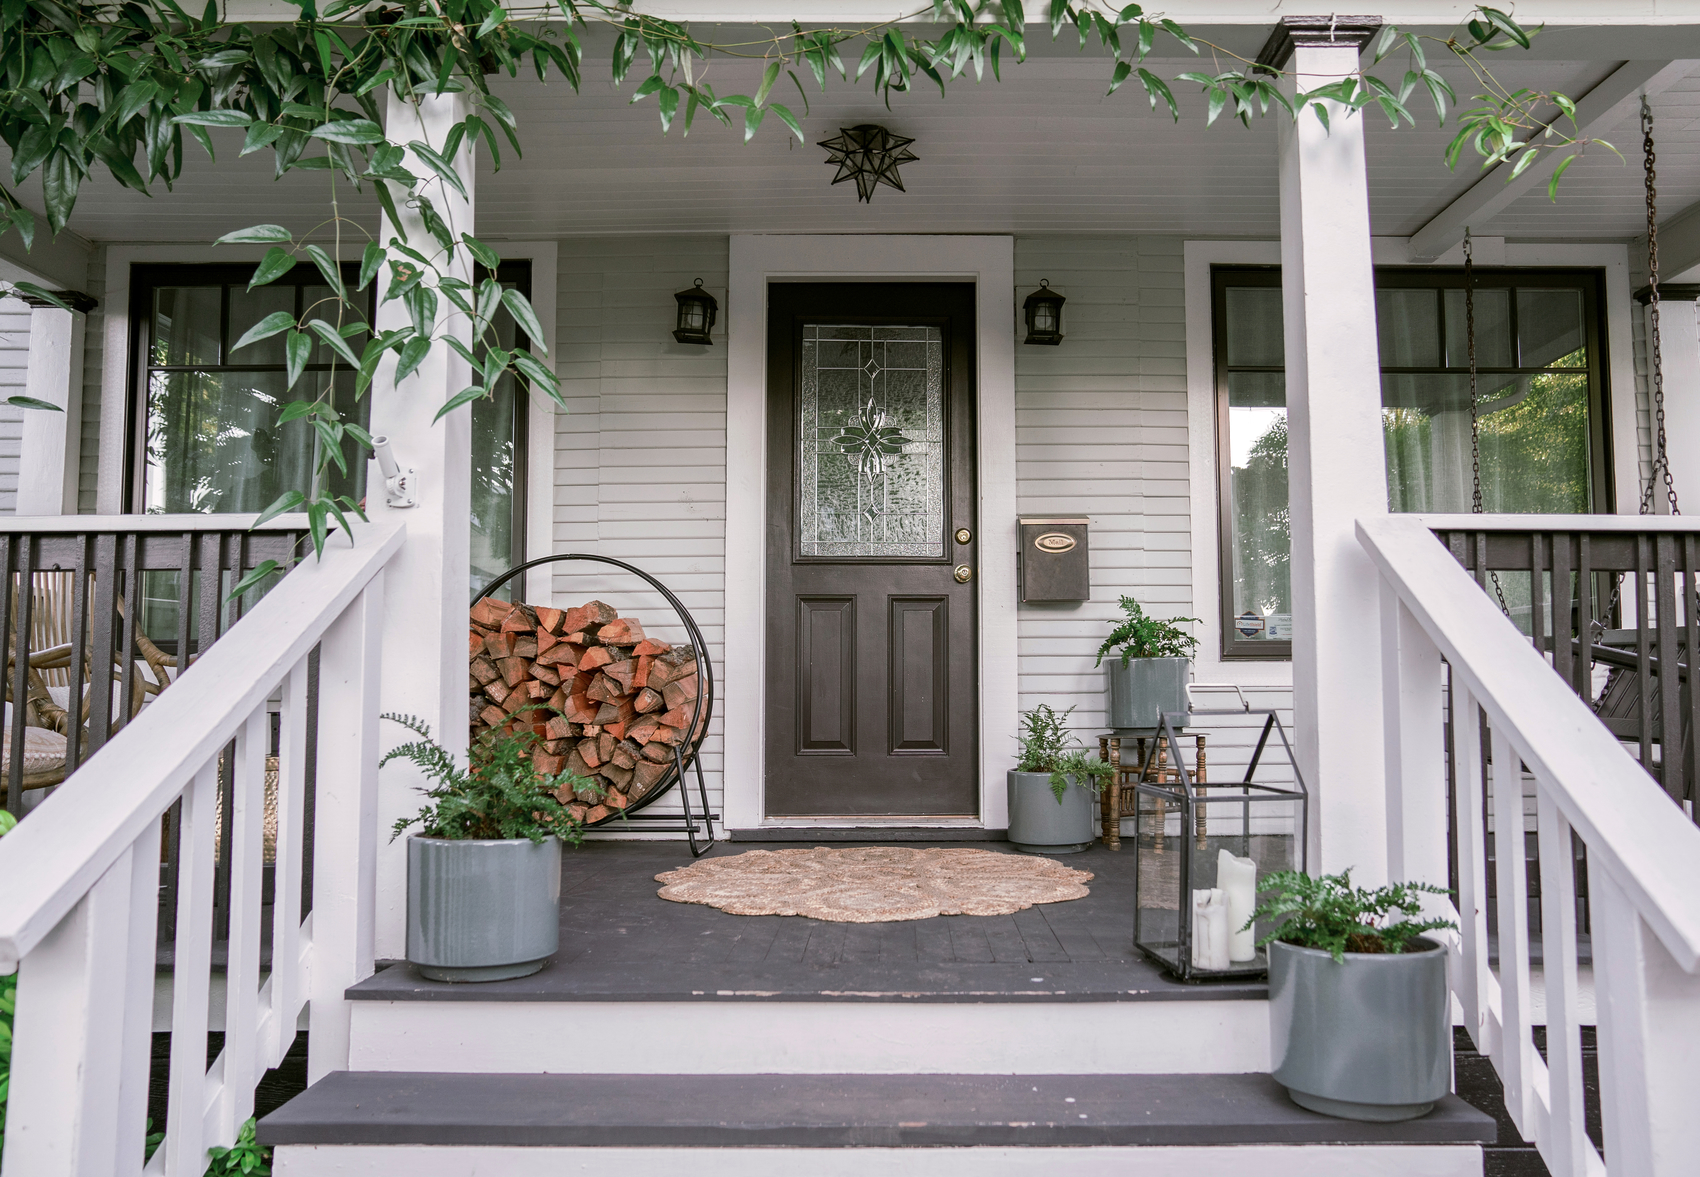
column 79, row 887
column 1643, row 867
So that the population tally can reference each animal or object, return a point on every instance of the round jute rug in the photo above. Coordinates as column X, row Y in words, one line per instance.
column 873, row 884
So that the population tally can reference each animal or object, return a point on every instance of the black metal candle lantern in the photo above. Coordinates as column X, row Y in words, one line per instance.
column 697, row 311
column 1044, row 314
column 1201, row 852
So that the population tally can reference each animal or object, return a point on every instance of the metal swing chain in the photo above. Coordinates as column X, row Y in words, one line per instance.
column 1475, row 418
column 1661, row 459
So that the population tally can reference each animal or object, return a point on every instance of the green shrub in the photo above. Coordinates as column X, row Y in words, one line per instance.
column 243, row 1159
column 500, row 794
column 1327, row 912
column 1048, row 746
column 1142, row 636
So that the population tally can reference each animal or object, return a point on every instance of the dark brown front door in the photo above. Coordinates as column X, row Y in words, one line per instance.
column 871, row 682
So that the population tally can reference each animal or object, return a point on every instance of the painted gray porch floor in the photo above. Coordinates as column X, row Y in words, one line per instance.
column 620, row 942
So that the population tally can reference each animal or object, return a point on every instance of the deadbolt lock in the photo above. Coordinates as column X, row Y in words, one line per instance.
column 963, row 574
column 963, row 535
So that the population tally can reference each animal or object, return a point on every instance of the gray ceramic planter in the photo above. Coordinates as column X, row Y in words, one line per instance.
column 1142, row 689
column 1367, row 1039
column 1038, row 825
column 482, row 910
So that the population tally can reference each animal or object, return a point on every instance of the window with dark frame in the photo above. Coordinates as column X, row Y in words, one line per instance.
column 204, row 431
column 1540, row 405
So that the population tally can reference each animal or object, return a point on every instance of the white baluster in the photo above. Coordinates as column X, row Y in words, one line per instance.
column 1565, row 1146
column 345, row 829
column 285, row 990
column 185, row 1147
column 242, row 972
column 1649, row 1016
column 1475, row 983
column 141, row 965
column 1517, row 1048
column 67, row 1050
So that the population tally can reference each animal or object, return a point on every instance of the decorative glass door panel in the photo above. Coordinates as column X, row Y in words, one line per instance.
column 871, row 691
column 871, row 442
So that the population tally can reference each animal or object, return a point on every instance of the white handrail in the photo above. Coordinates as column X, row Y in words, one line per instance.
column 1623, row 816
column 69, row 841
column 80, row 882
column 1643, row 858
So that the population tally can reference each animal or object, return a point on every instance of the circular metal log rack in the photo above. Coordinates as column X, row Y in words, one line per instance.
column 687, row 753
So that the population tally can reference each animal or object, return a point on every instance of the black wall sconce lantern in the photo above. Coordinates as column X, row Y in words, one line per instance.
column 1044, row 315
column 697, row 311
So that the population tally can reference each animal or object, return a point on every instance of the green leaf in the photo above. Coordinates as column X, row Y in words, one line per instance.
column 1558, row 173
column 213, row 118
column 328, row 267
column 259, row 573
column 334, row 341
column 769, row 76
column 255, row 234
column 59, row 183
column 266, row 328
column 297, row 349
column 355, row 132
column 48, row 296
column 273, row 266
column 481, row 253
column 371, row 260
column 789, row 119
column 30, row 402
column 413, row 354
column 438, row 164
column 287, row 501
column 460, row 398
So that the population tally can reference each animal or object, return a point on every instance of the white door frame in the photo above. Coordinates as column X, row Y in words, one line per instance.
column 755, row 260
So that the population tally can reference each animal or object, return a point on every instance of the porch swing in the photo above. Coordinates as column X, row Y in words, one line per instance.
column 1625, row 699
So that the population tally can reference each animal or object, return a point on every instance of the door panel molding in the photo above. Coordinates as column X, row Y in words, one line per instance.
column 754, row 260
column 826, row 700
column 919, row 676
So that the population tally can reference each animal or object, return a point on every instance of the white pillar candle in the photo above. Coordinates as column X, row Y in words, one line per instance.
column 1209, row 929
column 1238, row 879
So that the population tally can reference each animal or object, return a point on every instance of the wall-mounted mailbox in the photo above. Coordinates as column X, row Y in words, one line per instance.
column 1055, row 564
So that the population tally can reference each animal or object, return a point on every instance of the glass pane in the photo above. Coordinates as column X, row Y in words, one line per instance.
column 1254, row 327
column 871, row 449
column 185, row 325
column 1533, row 442
column 248, row 307
column 495, row 435
column 1408, row 323
column 1261, row 543
column 214, row 444
column 1549, row 327
column 1493, row 330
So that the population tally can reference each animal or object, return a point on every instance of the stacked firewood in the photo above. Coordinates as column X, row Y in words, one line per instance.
column 608, row 703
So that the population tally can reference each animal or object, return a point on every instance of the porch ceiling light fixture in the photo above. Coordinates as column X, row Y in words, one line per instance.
column 697, row 312
column 868, row 154
column 1044, row 315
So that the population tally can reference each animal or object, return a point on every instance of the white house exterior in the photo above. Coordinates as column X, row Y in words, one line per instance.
column 664, row 459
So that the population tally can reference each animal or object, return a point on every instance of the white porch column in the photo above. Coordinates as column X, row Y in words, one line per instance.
column 424, row 659
column 52, row 442
column 1679, row 354
column 1335, row 462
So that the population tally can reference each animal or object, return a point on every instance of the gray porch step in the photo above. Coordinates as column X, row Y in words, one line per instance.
column 830, row 1111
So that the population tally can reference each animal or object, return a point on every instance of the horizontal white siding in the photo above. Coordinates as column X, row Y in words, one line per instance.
column 14, row 361
column 1101, row 432
column 640, row 455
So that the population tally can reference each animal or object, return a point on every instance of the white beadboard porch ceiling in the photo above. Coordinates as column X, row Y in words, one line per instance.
column 1042, row 151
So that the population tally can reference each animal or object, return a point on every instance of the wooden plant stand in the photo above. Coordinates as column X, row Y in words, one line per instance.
column 1150, row 763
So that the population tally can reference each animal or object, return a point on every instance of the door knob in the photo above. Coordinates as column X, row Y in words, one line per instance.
column 963, row 574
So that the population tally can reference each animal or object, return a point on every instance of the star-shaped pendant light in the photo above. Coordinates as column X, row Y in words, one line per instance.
column 870, row 155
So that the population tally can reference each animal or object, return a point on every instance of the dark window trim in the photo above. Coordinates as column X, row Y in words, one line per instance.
column 145, row 278
column 1590, row 280
column 518, row 272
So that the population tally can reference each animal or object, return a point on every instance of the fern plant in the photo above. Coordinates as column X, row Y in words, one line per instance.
column 500, row 794
column 1327, row 912
column 1139, row 635
column 1047, row 745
